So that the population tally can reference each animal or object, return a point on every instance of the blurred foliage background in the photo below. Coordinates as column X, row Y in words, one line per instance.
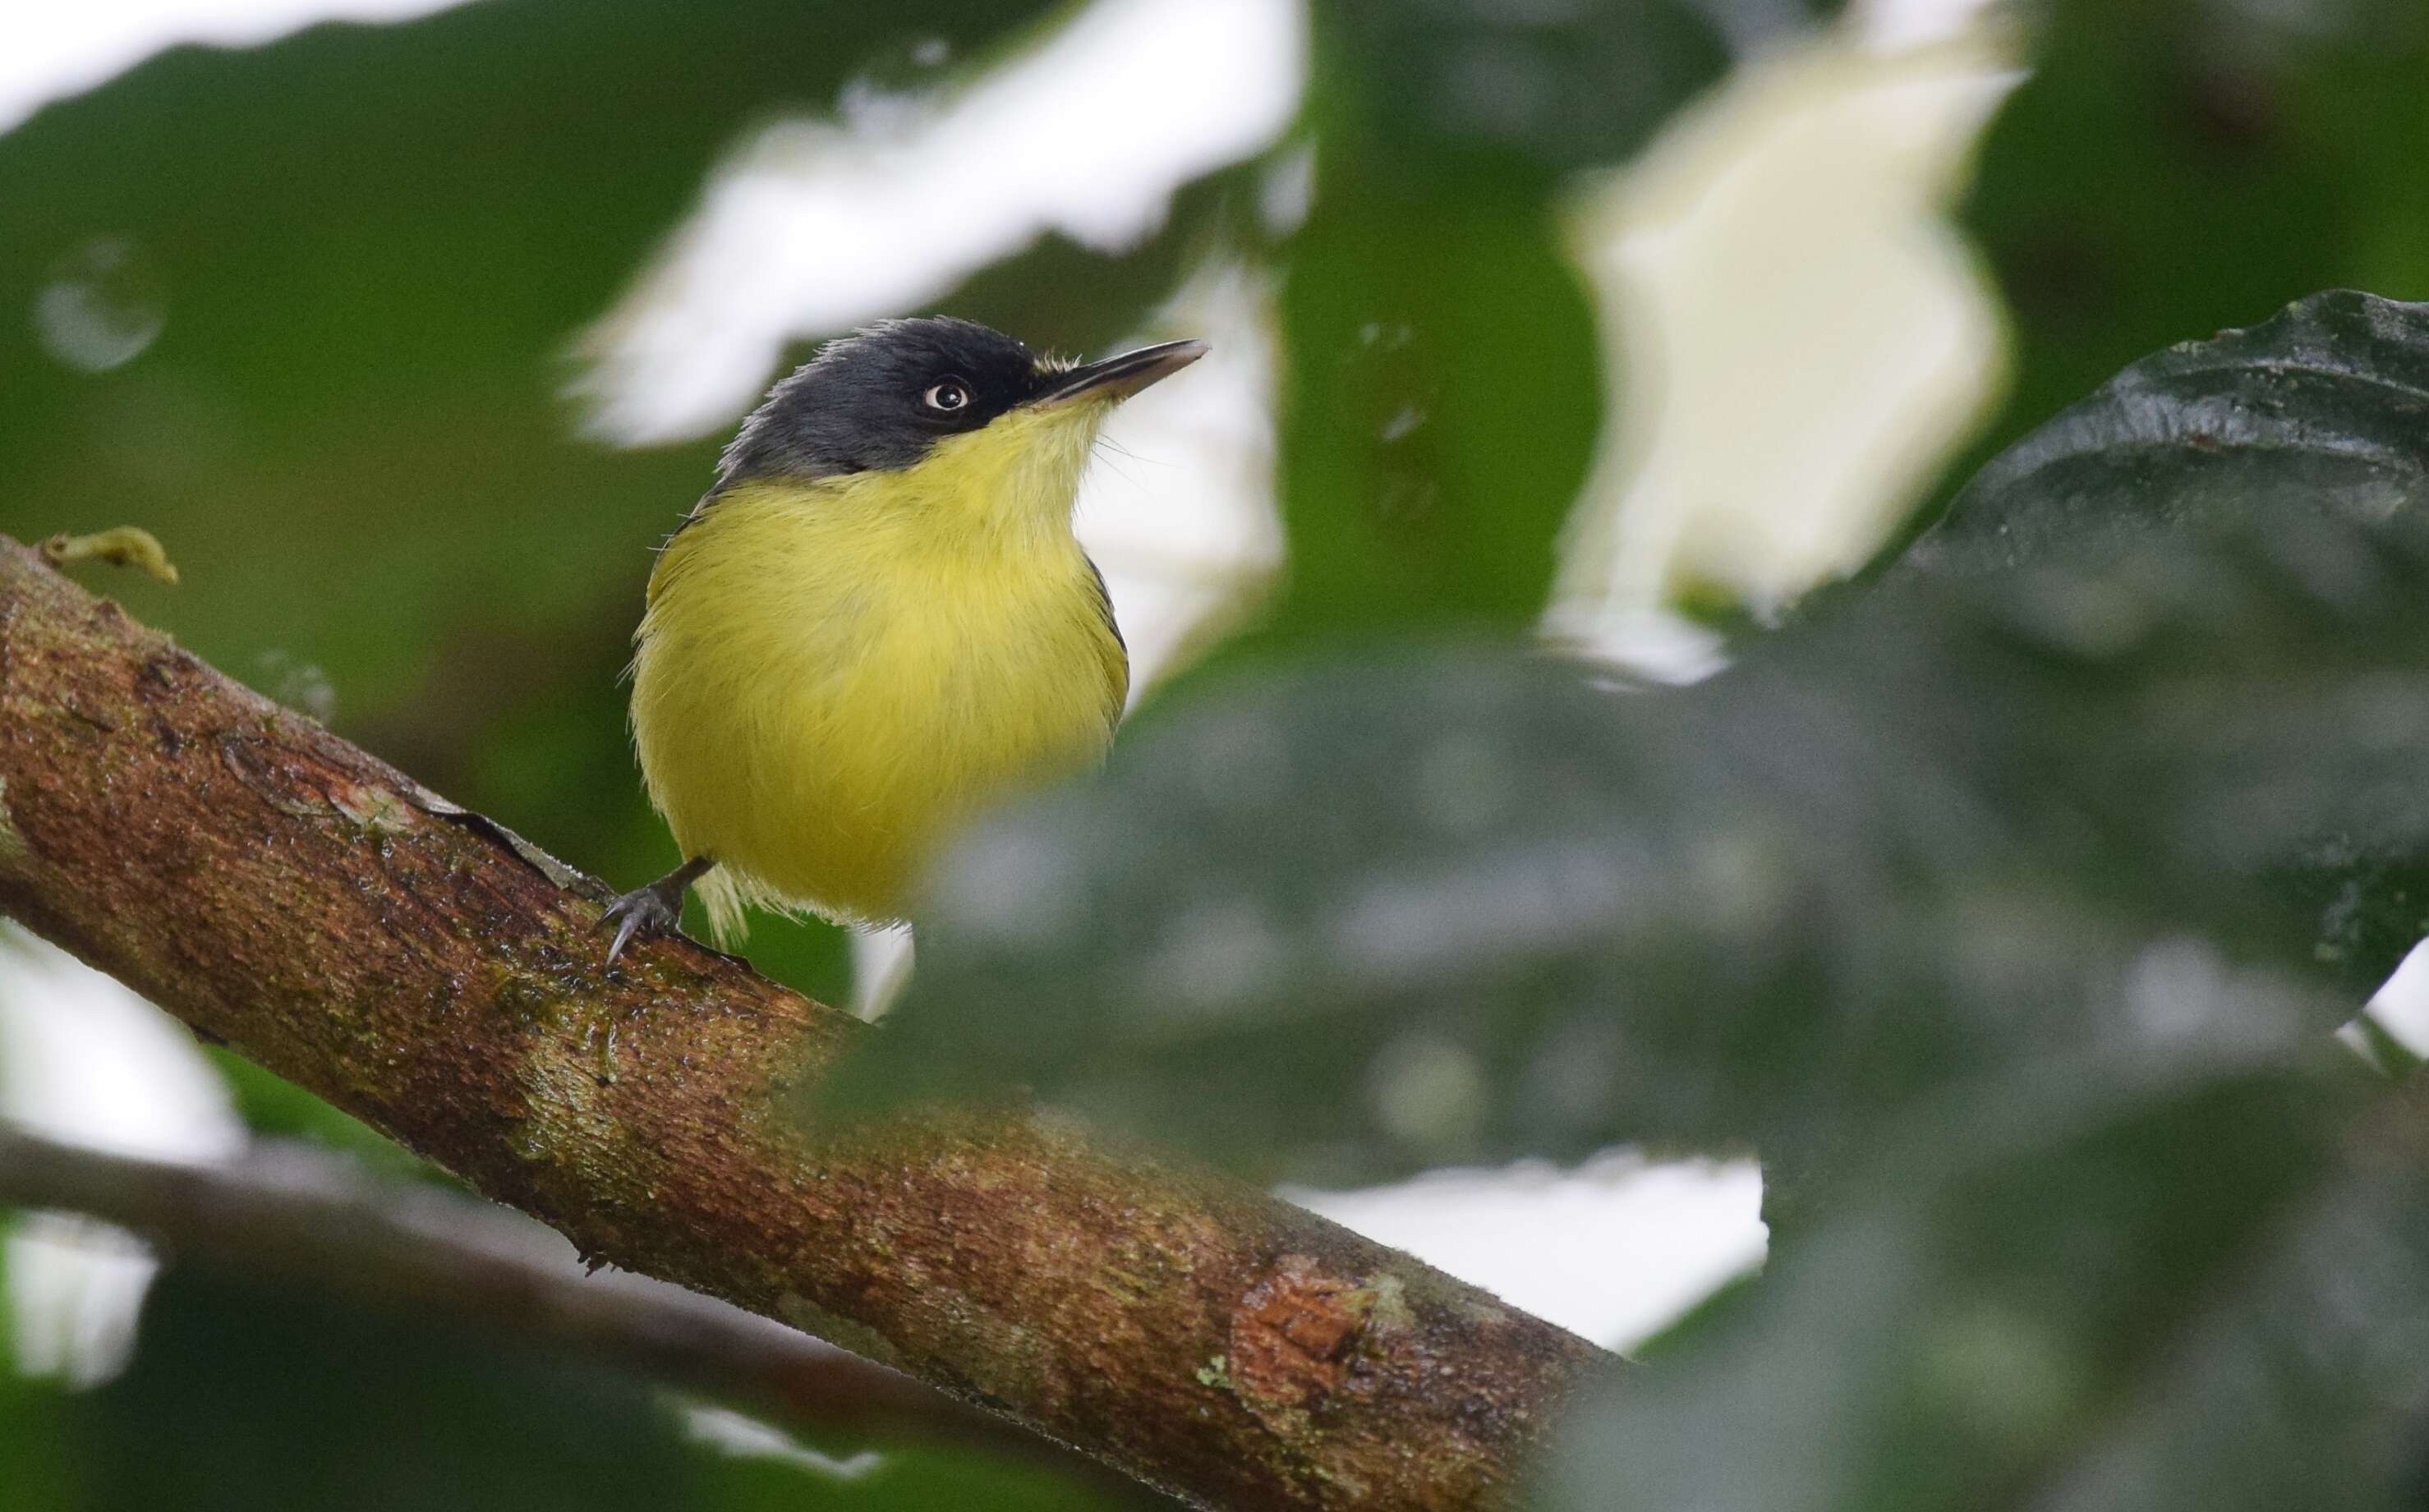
column 2002, row 896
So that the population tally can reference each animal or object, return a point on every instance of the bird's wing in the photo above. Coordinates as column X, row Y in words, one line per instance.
column 1116, row 652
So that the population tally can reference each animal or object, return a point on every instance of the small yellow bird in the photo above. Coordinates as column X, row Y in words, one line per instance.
column 877, row 622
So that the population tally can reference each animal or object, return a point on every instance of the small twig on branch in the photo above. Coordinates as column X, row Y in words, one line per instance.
column 427, row 972
column 300, row 1215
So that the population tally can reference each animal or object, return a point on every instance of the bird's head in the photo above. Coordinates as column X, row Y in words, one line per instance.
column 943, row 413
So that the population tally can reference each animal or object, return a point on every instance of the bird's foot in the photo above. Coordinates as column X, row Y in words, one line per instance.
column 656, row 908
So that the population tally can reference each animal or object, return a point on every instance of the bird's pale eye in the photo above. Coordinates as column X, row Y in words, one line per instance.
column 948, row 396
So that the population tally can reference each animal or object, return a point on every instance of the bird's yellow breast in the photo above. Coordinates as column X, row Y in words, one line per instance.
column 831, row 677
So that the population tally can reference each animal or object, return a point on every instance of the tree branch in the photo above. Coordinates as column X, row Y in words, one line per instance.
column 435, row 976
column 300, row 1215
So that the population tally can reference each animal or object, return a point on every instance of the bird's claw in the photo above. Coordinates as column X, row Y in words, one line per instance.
column 644, row 908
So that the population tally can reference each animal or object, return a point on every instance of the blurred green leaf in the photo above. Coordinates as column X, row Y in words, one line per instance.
column 2174, row 167
column 1362, row 922
column 1441, row 403
column 242, row 1396
column 2087, row 1293
column 1352, row 922
column 2325, row 409
column 1538, row 88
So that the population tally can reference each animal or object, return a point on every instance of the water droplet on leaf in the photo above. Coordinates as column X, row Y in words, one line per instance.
column 101, row 306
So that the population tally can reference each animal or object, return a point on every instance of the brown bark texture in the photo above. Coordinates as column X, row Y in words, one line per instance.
column 441, row 979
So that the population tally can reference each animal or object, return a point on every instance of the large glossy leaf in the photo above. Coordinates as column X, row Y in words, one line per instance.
column 2323, row 410
column 2324, row 407
column 2094, row 1296
column 2174, row 167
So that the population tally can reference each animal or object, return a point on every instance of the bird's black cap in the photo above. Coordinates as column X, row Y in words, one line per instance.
column 863, row 403
column 882, row 398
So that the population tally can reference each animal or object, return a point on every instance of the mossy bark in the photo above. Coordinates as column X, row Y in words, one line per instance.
column 431, row 974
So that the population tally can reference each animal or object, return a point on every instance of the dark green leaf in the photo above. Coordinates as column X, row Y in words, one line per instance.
column 1533, row 87
column 2174, row 167
column 2081, row 1295
column 1442, row 401
column 242, row 1398
column 1539, row 88
column 2323, row 410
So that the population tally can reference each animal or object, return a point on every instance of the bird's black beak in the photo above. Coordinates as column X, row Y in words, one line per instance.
column 1118, row 378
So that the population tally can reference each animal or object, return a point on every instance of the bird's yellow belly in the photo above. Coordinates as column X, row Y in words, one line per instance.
column 821, row 737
